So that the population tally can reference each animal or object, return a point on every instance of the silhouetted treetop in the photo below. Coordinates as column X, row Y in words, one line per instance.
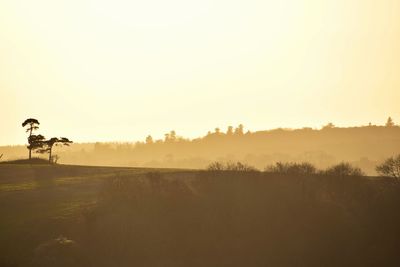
column 48, row 145
column 149, row 140
column 34, row 143
column 239, row 130
column 32, row 122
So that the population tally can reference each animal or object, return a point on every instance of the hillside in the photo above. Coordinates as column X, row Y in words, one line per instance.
column 100, row 216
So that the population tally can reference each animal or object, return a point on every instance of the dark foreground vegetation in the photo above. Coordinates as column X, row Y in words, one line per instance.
column 86, row 216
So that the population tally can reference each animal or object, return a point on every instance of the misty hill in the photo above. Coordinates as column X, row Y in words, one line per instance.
column 363, row 146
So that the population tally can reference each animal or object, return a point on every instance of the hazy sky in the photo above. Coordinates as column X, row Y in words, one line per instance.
column 96, row 70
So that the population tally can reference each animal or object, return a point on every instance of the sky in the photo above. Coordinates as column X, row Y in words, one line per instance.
column 102, row 70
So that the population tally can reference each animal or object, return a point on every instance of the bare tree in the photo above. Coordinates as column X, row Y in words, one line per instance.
column 231, row 166
column 216, row 166
column 390, row 168
column 343, row 169
column 292, row 168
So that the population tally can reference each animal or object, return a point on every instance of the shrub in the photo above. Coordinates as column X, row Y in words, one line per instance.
column 216, row 166
column 239, row 167
column 390, row 168
column 292, row 168
column 343, row 169
column 231, row 166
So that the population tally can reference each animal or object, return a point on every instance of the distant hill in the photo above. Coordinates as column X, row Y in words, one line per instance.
column 363, row 146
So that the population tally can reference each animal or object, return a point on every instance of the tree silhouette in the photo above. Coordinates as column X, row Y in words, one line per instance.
column 149, row 140
column 229, row 131
column 292, row 168
column 389, row 122
column 343, row 169
column 49, row 144
column 231, row 166
column 33, row 124
column 239, row 130
column 170, row 137
column 390, row 168
column 329, row 126
column 36, row 142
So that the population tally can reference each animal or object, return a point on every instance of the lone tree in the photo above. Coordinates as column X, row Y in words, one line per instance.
column 33, row 124
column 49, row 144
column 390, row 168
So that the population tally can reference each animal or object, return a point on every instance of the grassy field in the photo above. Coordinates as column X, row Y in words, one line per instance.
column 102, row 216
column 41, row 202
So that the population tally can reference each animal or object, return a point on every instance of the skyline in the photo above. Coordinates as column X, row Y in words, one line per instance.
column 223, row 130
column 121, row 70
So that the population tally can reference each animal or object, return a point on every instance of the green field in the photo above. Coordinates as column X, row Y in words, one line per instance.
column 60, row 215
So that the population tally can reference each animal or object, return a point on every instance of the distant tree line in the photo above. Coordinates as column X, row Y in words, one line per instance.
column 235, row 131
column 321, row 147
column 38, row 143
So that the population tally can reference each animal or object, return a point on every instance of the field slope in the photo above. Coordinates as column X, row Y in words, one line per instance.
column 102, row 216
column 39, row 202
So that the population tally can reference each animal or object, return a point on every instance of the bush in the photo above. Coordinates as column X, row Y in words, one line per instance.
column 390, row 168
column 216, row 166
column 231, row 166
column 292, row 168
column 240, row 167
column 343, row 169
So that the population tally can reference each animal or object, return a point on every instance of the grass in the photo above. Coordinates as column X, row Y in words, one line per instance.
column 34, row 161
column 40, row 195
column 60, row 215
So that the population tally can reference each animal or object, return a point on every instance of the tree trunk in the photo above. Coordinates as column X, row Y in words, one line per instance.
column 50, row 155
column 30, row 149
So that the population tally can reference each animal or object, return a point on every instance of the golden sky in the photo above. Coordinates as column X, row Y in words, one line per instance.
column 96, row 70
